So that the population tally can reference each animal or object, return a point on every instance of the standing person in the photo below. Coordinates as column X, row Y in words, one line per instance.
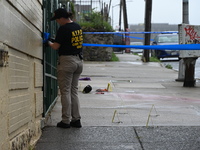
column 68, row 42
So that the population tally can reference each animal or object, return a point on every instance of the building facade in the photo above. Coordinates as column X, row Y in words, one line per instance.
column 28, row 82
column 21, row 73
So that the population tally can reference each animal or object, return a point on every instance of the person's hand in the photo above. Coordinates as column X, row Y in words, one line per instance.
column 51, row 40
column 46, row 42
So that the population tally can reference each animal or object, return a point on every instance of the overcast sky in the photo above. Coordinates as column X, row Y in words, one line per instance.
column 163, row 11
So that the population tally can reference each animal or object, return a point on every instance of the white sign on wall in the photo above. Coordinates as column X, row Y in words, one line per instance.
column 189, row 34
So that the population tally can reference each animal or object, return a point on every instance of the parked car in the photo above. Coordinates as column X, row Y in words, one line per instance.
column 133, row 50
column 118, row 39
column 165, row 39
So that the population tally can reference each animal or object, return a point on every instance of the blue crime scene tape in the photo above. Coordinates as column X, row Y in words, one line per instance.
column 155, row 47
column 139, row 38
column 170, row 32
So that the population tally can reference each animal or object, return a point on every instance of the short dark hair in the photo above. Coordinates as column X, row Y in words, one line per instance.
column 60, row 12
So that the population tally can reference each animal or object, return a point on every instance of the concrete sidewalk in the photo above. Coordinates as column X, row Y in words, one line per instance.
column 146, row 109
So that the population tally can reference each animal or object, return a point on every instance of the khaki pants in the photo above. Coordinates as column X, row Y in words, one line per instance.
column 69, row 70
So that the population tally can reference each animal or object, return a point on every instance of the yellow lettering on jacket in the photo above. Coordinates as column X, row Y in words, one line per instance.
column 77, row 38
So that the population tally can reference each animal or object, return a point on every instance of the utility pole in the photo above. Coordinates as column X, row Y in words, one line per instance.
column 148, row 11
column 188, row 63
column 108, row 9
column 120, row 14
column 185, row 20
column 127, row 40
column 125, row 15
column 185, row 11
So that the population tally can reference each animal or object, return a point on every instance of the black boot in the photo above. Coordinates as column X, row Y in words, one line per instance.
column 76, row 124
column 63, row 125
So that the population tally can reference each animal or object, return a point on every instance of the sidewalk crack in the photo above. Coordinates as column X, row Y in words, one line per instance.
column 137, row 136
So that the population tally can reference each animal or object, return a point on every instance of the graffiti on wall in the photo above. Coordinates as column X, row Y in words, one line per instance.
column 189, row 34
column 192, row 34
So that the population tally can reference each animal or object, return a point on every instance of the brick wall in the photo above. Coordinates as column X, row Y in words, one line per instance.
column 21, row 81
